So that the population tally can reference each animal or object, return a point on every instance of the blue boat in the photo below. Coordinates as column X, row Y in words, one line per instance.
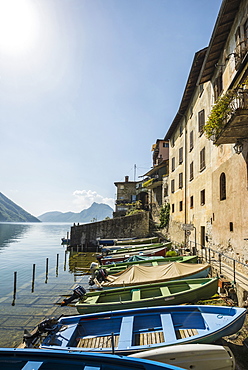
column 35, row 359
column 134, row 330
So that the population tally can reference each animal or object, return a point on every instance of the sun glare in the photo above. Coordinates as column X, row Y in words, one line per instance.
column 18, row 25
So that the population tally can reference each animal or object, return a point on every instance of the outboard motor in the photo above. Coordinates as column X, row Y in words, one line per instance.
column 45, row 326
column 78, row 292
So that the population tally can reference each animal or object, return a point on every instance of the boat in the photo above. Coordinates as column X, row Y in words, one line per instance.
column 132, row 248
column 120, row 257
column 147, row 261
column 148, row 295
column 137, row 275
column 151, row 239
column 34, row 359
column 135, row 330
column 192, row 356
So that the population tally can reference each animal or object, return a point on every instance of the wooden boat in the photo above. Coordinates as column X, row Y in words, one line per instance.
column 140, row 329
column 34, row 359
column 192, row 356
column 137, row 275
column 154, row 261
column 120, row 257
column 132, row 248
column 152, row 239
column 148, row 295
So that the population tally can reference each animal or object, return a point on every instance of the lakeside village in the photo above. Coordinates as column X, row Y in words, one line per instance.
column 172, row 263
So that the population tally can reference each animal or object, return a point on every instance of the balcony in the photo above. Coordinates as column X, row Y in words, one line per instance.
column 235, row 125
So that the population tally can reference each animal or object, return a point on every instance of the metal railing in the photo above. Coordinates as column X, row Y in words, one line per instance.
column 220, row 261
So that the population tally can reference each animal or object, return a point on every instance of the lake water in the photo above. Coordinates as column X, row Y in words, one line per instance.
column 45, row 270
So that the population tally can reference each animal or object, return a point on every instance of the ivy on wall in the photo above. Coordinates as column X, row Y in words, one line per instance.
column 164, row 215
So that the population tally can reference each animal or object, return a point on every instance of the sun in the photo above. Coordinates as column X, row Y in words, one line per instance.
column 18, row 25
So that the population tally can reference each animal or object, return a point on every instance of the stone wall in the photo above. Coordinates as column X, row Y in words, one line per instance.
column 121, row 227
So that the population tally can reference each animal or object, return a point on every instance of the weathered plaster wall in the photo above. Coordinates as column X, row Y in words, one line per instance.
column 121, row 227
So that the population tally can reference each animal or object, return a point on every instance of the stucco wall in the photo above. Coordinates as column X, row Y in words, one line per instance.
column 121, row 227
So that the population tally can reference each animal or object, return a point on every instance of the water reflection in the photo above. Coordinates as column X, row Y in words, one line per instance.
column 79, row 262
column 10, row 233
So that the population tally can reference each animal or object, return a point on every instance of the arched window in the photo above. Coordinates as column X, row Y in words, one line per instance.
column 222, row 186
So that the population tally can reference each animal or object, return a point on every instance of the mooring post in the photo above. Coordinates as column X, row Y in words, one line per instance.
column 57, row 265
column 33, row 278
column 65, row 261
column 46, row 271
column 14, row 292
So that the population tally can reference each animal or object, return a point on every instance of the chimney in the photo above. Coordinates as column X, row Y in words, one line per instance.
column 126, row 178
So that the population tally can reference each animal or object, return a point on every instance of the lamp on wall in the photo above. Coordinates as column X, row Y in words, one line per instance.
column 238, row 147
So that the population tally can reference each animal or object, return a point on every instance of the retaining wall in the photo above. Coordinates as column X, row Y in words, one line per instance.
column 85, row 235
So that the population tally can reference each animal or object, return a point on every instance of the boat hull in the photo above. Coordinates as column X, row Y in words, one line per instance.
column 148, row 295
column 193, row 356
column 16, row 359
column 131, row 331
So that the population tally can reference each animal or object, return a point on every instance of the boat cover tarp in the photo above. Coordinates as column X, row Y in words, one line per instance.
column 138, row 274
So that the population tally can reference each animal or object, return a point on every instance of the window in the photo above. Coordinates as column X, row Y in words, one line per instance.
column 218, row 87
column 180, row 155
column 166, row 145
column 202, row 159
column 173, row 186
column 201, row 121
column 191, row 171
column 222, row 186
column 201, row 89
column 191, row 140
column 173, row 208
column 121, row 187
column 180, row 180
column 181, row 130
column 231, row 226
column 191, row 201
column 203, row 197
column 180, row 205
column 173, row 164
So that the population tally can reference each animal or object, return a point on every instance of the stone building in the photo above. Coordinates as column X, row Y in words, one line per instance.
column 208, row 158
column 125, row 196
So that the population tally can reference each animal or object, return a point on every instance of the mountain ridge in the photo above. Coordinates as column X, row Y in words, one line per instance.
column 96, row 212
column 11, row 212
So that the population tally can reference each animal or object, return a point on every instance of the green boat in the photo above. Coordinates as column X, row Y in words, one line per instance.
column 114, row 268
column 148, row 295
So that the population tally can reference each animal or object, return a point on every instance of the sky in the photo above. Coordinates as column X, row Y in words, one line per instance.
column 86, row 88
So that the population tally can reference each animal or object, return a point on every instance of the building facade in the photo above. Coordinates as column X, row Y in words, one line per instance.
column 208, row 180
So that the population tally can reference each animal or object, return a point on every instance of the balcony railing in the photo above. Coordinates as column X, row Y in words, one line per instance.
column 235, row 123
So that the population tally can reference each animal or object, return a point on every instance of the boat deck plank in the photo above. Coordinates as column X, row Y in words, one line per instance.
column 144, row 339
column 98, row 342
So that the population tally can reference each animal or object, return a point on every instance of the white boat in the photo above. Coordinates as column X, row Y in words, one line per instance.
column 192, row 356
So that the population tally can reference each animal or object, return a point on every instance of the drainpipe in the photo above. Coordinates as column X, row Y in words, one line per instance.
column 185, row 179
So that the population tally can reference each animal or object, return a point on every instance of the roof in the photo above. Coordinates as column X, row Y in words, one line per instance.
column 227, row 14
column 188, row 91
column 155, row 168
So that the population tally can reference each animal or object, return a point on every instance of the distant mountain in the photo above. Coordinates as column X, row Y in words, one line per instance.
column 11, row 212
column 96, row 212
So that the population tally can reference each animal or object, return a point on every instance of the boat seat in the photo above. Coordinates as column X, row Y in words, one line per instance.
column 154, row 263
column 93, row 299
column 32, row 365
column 165, row 290
column 135, row 294
column 98, row 342
column 185, row 333
column 126, row 332
column 88, row 367
column 168, row 327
